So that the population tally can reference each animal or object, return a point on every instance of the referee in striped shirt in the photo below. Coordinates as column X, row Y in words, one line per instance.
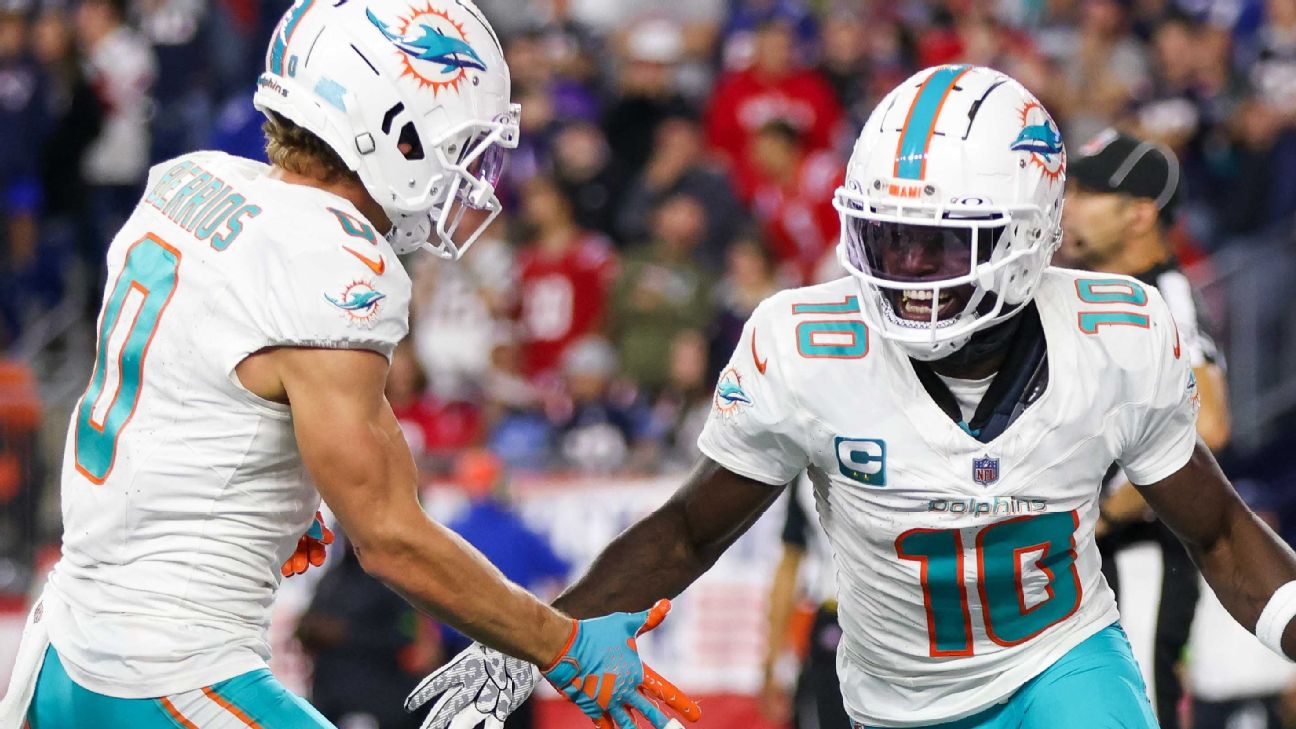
column 1120, row 204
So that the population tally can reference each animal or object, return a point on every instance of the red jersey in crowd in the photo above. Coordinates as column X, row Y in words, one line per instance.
column 745, row 101
column 564, row 297
column 797, row 216
column 432, row 427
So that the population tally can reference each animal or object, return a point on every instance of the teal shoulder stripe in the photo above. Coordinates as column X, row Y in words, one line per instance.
column 921, row 122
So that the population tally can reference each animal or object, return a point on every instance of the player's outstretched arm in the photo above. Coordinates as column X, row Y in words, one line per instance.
column 667, row 550
column 1238, row 554
column 354, row 450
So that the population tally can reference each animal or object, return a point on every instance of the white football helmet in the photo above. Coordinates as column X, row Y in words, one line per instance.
column 367, row 76
column 951, row 207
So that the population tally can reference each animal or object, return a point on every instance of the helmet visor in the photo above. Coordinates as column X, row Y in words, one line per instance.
column 483, row 162
column 910, row 253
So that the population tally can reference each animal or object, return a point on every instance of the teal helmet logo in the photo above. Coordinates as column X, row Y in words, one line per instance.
column 434, row 47
column 1039, row 137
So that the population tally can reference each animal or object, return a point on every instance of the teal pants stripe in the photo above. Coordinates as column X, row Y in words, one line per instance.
column 61, row 703
column 1096, row 685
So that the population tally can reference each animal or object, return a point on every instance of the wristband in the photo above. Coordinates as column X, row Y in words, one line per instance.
column 1277, row 613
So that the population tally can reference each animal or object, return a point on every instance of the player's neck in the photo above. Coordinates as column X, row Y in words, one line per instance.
column 345, row 189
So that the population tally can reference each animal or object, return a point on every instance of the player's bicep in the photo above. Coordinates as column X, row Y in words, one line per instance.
column 718, row 506
column 349, row 439
column 1194, row 501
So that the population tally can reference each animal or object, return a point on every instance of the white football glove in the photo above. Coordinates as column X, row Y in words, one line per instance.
column 478, row 685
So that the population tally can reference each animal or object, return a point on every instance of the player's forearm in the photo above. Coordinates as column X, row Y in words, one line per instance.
column 652, row 559
column 671, row 548
column 1239, row 555
column 667, row 551
column 1244, row 565
column 371, row 486
column 441, row 574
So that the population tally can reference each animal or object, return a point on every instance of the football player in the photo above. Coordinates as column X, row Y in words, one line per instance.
column 244, row 341
column 957, row 402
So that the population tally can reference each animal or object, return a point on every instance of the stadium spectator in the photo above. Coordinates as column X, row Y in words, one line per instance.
column 591, row 176
column 1105, row 66
column 463, row 303
column 792, row 198
column 749, row 279
column 564, row 276
column 679, row 165
column 21, row 107
column 183, row 89
column 843, row 62
column 779, row 86
column 647, row 92
column 122, row 69
column 600, row 421
column 433, row 428
column 1261, row 191
column 73, row 116
column 663, row 290
column 681, row 408
column 740, row 36
column 513, row 406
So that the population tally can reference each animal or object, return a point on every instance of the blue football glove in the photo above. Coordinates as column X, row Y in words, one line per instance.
column 600, row 671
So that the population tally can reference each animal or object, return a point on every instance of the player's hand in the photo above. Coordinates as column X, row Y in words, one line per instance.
column 478, row 685
column 310, row 549
column 601, row 672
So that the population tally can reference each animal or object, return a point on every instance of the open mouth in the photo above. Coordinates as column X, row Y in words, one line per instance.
column 916, row 304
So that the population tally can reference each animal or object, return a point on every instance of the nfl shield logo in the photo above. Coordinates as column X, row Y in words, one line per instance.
column 985, row 471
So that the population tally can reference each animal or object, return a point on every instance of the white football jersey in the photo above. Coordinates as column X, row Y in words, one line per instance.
column 964, row 568
column 183, row 493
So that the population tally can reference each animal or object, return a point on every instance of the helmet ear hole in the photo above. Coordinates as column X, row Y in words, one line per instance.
column 409, row 143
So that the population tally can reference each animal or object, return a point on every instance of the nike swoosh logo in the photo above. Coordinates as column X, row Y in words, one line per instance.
column 376, row 266
column 760, row 364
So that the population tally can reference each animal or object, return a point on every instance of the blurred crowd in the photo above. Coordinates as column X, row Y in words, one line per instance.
column 677, row 166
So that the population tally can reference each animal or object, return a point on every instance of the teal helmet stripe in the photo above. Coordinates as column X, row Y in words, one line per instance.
column 280, row 45
column 911, row 154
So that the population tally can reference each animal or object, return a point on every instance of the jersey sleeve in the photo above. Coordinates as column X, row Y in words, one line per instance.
column 1197, row 345
column 1162, row 431
column 328, row 298
column 753, row 429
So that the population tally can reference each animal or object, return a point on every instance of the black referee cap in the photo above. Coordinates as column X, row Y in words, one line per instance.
column 1117, row 162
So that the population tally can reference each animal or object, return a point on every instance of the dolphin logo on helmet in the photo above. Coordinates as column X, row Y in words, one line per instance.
column 1041, row 139
column 431, row 45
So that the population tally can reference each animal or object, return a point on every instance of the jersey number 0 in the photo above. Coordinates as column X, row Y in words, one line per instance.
column 130, row 318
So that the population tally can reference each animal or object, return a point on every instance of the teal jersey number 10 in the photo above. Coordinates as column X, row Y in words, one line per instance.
column 130, row 318
column 1046, row 541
